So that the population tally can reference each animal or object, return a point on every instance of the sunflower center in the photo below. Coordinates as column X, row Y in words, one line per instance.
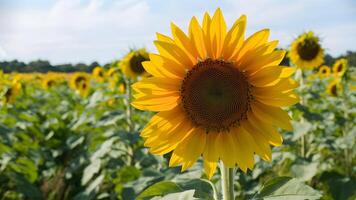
column 78, row 80
column 136, row 64
column 339, row 68
column 334, row 90
column 215, row 95
column 308, row 49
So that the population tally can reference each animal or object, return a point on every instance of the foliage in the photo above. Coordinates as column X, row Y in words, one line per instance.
column 56, row 144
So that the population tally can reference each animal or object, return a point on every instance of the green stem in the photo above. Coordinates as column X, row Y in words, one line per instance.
column 129, row 113
column 128, row 106
column 302, row 102
column 227, row 182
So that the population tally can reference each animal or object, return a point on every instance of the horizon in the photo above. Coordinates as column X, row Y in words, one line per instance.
column 84, row 31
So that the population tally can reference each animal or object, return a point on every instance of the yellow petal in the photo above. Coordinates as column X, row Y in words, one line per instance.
column 206, row 31
column 265, row 76
column 244, row 151
column 225, row 145
column 271, row 59
column 164, row 38
column 210, row 168
column 168, row 67
column 210, row 153
column 173, row 52
column 255, row 40
column 234, row 38
column 158, row 83
column 287, row 72
column 258, row 143
column 269, row 132
column 217, row 33
column 184, row 42
column 196, row 34
column 282, row 100
column 273, row 115
column 191, row 148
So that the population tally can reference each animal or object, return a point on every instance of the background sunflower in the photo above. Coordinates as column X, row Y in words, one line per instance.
column 324, row 71
column 131, row 64
column 306, row 51
column 340, row 67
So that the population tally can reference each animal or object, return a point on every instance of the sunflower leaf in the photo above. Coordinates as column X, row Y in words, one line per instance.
column 286, row 188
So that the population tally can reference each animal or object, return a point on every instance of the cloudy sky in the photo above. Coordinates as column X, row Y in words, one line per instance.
column 74, row 31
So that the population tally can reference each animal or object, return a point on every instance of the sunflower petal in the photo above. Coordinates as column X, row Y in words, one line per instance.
column 265, row 76
column 271, row 114
column 234, row 38
column 210, row 168
column 191, row 148
column 197, row 37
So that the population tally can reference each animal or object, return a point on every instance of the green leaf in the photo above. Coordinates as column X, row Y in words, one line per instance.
column 286, row 188
column 186, row 195
column 159, row 189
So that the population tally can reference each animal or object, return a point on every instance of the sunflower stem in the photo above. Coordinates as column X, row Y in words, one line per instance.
column 128, row 105
column 302, row 102
column 227, row 182
column 129, row 119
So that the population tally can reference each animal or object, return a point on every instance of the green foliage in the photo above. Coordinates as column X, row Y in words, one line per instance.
column 57, row 145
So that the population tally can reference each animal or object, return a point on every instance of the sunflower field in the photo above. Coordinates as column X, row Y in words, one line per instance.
column 197, row 120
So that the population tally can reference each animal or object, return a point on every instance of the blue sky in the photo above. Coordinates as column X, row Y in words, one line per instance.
column 74, row 31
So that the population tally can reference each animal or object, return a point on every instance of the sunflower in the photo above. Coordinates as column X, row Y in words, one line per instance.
column 217, row 95
column 113, row 72
column 340, row 67
column 48, row 82
column 334, row 88
column 306, row 51
column 132, row 63
column 81, row 83
column 324, row 71
column 12, row 92
column 99, row 74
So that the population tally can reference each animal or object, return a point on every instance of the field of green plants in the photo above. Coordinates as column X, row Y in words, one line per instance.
column 58, row 144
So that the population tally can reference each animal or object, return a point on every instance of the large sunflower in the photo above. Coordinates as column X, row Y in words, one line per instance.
column 132, row 63
column 306, row 51
column 324, row 71
column 340, row 67
column 217, row 94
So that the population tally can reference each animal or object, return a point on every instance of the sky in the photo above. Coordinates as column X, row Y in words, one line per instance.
column 72, row 31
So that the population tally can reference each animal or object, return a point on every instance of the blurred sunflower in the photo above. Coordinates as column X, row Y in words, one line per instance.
column 340, row 67
column 12, row 92
column 324, row 71
column 334, row 88
column 217, row 94
column 99, row 74
column 48, row 82
column 81, row 83
column 113, row 72
column 132, row 63
column 306, row 51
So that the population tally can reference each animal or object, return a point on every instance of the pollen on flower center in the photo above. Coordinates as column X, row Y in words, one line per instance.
column 215, row 95
column 308, row 49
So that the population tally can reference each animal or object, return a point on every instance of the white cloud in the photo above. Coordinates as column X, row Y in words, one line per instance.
column 73, row 31
column 103, row 30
